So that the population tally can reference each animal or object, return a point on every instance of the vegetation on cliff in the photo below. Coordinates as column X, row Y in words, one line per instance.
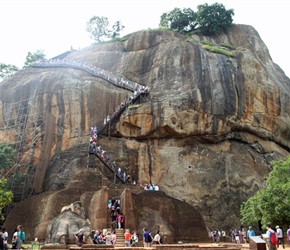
column 33, row 57
column 98, row 28
column 7, row 154
column 271, row 204
column 217, row 48
column 7, row 70
column 209, row 19
column 5, row 196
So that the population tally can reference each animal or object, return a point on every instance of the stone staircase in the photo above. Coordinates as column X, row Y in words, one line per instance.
column 109, row 220
column 120, row 241
column 105, row 130
column 110, row 173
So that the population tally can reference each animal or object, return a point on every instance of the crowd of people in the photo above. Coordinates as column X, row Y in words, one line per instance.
column 243, row 236
column 150, row 187
column 118, row 219
column 119, row 81
column 107, row 237
column 234, row 235
column 130, row 100
column 17, row 239
column 96, row 149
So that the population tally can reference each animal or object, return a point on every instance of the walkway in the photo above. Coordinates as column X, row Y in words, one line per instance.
column 109, row 121
column 107, row 165
column 119, row 81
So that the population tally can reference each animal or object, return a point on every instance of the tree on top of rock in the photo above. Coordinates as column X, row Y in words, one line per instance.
column 213, row 19
column 7, row 70
column 271, row 204
column 98, row 27
column 209, row 19
column 33, row 57
column 116, row 29
column 179, row 20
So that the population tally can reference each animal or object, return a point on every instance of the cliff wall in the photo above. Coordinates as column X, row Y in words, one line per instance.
column 206, row 135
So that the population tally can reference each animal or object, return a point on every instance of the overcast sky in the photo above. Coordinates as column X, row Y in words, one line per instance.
column 55, row 25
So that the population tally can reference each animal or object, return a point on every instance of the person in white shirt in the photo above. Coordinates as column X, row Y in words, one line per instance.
column 135, row 240
column 279, row 233
column 157, row 237
column 5, row 237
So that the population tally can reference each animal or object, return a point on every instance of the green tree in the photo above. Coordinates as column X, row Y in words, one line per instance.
column 116, row 29
column 5, row 196
column 213, row 19
column 271, row 204
column 97, row 26
column 181, row 20
column 7, row 70
column 33, row 57
column 99, row 29
column 7, row 155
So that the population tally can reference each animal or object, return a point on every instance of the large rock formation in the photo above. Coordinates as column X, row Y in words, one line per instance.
column 206, row 135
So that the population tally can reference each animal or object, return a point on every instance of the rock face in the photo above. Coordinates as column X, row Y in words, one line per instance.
column 206, row 135
column 151, row 209
column 63, row 227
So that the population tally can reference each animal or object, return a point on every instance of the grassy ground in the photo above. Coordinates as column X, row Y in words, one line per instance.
column 27, row 246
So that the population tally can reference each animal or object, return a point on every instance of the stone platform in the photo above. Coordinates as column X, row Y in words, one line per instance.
column 187, row 246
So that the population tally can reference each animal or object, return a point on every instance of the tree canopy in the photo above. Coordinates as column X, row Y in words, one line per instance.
column 33, row 57
column 5, row 196
column 7, row 155
column 116, row 29
column 209, row 19
column 271, row 204
column 7, row 70
column 182, row 20
column 213, row 19
column 99, row 28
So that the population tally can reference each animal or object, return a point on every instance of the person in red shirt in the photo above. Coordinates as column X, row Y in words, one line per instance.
column 127, row 236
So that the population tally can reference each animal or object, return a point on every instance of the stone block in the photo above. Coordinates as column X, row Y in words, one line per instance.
column 257, row 243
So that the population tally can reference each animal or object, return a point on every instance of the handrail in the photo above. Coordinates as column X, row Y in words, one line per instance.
column 113, row 118
column 102, row 160
column 120, row 111
column 119, row 81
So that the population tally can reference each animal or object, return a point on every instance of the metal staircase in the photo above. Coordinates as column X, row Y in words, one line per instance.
column 111, row 170
column 105, row 130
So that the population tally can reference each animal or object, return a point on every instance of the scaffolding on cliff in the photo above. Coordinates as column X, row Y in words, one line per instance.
column 24, row 127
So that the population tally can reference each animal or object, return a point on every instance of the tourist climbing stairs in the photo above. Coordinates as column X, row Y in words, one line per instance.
column 111, row 174
column 119, row 81
column 105, row 130
column 113, row 120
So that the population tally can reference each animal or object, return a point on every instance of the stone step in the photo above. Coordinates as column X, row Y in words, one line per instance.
column 109, row 221
column 120, row 241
